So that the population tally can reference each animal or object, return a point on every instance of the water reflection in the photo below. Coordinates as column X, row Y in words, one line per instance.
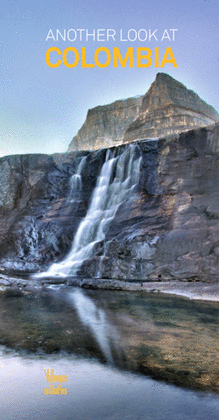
column 168, row 338
column 94, row 392
column 95, row 319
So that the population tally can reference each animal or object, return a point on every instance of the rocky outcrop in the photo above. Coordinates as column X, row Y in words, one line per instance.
column 105, row 126
column 169, row 230
column 167, row 108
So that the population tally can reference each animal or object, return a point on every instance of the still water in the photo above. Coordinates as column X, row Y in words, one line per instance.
column 126, row 355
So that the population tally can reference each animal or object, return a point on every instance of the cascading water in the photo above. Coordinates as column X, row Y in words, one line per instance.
column 117, row 180
column 76, row 183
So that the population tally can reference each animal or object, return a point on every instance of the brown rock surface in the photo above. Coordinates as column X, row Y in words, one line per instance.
column 105, row 126
column 167, row 108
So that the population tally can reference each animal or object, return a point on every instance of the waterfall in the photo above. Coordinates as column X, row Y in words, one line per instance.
column 115, row 185
column 76, row 183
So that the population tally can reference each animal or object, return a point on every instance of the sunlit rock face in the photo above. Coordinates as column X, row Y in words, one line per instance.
column 105, row 126
column 165, row 228
column 167, row 108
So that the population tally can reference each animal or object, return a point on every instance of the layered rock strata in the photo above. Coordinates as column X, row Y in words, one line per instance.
column 167, row 108
column 106, row 126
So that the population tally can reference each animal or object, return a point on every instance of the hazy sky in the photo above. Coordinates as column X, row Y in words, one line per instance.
column 42, row 108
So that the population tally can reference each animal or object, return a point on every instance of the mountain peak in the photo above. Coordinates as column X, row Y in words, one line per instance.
column 168, row 107
column 166, row 77
column 166, row 90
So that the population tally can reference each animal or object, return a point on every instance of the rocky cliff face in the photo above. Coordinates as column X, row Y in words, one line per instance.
column 169, row 229
column 105, row 126
column 38, row 215
column 167, row 108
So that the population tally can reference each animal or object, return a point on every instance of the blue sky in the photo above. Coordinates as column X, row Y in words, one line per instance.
column 42, row 108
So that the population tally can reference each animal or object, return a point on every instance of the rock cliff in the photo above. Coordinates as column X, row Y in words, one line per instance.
column 105, row 126
column 167, row 108
column 169, row 230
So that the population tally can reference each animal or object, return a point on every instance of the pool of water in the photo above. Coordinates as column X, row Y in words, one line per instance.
column 126, row 355
column 94, row 392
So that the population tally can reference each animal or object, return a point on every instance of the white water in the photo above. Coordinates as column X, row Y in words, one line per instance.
column 115, row 185
column 76, row 183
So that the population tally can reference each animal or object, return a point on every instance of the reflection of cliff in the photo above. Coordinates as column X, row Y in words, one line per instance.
column 167, row 108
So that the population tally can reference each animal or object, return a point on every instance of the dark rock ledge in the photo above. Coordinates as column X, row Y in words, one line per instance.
column 194, row 291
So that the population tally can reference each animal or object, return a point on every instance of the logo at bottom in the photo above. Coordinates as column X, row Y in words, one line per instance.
column 51, row 378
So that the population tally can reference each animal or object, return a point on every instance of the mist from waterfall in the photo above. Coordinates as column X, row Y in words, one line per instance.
column 115, row 185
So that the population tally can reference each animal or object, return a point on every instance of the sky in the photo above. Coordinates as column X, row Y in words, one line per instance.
column 42, row 108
